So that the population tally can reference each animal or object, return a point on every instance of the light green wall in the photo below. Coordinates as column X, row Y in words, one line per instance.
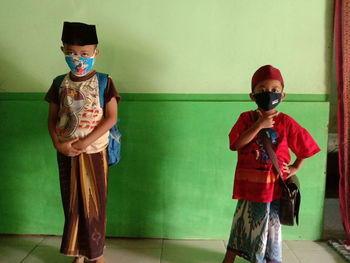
column 163, row 46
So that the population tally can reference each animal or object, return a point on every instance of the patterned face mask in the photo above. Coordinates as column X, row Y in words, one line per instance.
column 80, row 66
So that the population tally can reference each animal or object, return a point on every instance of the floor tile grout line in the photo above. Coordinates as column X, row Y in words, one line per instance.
column 295, row 255
column 30, row 252
column 285, row 244
column 161, row 251
column 223, row 242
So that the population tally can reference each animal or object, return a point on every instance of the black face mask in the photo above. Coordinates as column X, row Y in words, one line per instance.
column 267, row 100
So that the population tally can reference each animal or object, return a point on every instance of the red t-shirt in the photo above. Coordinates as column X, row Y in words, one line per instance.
column 255, row 179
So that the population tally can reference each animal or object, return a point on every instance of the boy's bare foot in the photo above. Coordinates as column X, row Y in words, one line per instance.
column 78, row 260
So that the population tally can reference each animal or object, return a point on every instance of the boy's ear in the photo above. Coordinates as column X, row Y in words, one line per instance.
column 97, row 52
column 283, row 96
column 62, row 49
column 251, row 95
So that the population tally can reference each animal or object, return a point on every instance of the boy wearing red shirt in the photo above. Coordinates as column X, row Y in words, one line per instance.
column 256, row 230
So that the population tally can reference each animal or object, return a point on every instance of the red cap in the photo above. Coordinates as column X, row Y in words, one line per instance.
column 264, row 73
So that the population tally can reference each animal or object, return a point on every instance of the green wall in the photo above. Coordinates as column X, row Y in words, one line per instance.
column 183, row 68
column 175, row 177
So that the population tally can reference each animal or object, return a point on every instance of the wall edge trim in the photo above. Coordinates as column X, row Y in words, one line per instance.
column 39, row 96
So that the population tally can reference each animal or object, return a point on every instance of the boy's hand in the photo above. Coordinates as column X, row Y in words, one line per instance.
column 266, row 120
column 67, row 149
column 289, row 169
column 80, row 145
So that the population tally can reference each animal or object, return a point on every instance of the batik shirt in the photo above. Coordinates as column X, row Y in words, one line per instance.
column 255, row 179
column 79, row 108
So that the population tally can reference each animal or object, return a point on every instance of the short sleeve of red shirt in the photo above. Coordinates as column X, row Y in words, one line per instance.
column 243, row 122
column 300, row 141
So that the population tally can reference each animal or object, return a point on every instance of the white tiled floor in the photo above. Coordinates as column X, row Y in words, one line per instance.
column 35, row 249
column 44, row 249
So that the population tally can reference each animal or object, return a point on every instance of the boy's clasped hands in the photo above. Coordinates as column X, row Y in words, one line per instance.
column 71, row 148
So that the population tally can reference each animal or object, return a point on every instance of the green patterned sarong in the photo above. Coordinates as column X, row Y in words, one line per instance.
column 256, row 232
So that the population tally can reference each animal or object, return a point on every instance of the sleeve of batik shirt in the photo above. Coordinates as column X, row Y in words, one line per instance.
column 52, row 95
column 240, row 126
column 300, row 141
column 111, row 91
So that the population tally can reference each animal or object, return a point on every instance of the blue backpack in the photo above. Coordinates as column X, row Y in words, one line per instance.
column 114, row 138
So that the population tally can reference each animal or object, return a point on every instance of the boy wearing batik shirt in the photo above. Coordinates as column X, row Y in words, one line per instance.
column 79, row 128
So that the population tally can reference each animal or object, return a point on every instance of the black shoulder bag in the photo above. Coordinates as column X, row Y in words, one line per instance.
column 291, row 198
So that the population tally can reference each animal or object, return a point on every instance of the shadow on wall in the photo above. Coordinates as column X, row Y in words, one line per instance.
column 135, row 200
column 158, row 171
column 330, row 68
column 173, row 179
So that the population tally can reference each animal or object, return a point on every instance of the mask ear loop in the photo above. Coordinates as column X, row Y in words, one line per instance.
column 93, row 59
column 94, row 55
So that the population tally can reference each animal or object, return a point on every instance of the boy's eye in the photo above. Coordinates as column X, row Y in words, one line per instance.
column 259, row 90
column 85, row 55
column 68, row 53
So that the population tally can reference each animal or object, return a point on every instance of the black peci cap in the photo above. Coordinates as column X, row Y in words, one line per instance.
column 79, row 34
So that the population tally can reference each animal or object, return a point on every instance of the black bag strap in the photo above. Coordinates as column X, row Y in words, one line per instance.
column 264, row 136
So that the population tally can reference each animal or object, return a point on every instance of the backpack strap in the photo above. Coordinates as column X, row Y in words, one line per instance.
column 102, row 85
column 58, row 80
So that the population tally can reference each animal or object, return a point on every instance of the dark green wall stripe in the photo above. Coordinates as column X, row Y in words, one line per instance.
column 174, row 179
column 175, row 97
